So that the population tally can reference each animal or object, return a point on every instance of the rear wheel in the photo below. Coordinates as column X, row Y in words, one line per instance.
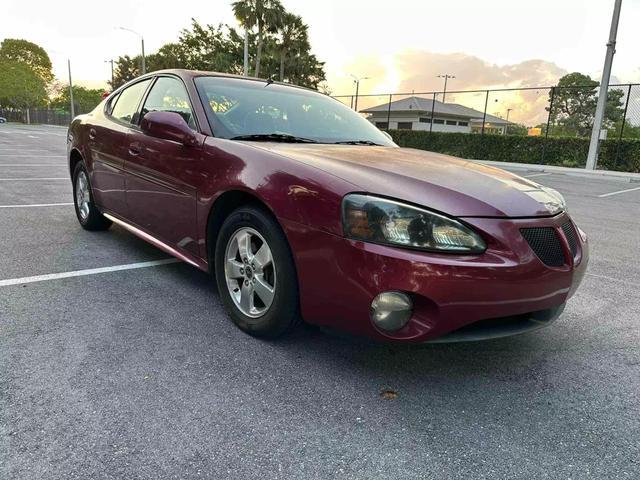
column 88, row 214
column 255, row 273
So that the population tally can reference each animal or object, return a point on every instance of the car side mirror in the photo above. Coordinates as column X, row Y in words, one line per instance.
column 168, row 126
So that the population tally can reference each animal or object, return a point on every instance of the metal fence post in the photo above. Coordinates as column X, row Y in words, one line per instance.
column 624, row 120
column 433, row 106
column 389, row 112
column 546, row 132
column 484, row 116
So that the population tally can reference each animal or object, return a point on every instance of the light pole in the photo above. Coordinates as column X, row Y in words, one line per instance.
column 506, row 127
column 111, row 62
column 357, row 81
column 144, row 64
column 594, row 144
column 446, row 77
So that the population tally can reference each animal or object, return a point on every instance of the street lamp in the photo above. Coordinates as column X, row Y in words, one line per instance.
column 357, row 81
column 506, row 127
column 144, row 65
column 446, row 77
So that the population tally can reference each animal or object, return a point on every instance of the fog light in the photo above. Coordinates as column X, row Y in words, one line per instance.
column 391, row 310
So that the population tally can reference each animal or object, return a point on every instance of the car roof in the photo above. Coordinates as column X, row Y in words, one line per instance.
column 190, row 74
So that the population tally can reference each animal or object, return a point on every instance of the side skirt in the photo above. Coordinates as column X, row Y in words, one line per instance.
column 187, row 258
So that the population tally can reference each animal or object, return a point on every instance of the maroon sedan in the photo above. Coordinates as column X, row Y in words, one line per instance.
column 304, row 210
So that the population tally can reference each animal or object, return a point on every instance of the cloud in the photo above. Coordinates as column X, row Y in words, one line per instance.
column 417, row 71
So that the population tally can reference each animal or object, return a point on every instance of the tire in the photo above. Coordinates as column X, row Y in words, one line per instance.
column 265, row 319
column 88, row 214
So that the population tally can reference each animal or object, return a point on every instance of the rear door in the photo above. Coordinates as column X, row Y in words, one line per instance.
column 109, row 143
column 161, row 174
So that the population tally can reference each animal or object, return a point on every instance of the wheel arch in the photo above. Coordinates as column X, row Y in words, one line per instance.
column 222, row 207
column 75, row 157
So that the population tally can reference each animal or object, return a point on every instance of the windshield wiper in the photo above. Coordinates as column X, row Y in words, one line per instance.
column 358, row 142
column 274, row 137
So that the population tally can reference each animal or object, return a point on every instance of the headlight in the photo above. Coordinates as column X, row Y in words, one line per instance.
column 378, row 220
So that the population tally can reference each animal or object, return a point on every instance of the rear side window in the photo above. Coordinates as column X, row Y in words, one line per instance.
column 126, row 106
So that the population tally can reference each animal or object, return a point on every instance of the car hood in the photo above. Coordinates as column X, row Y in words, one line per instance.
column 439, row 182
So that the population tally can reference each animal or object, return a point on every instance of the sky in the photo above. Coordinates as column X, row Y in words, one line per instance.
column 402, row 45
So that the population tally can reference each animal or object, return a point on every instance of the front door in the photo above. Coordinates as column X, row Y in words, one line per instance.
column 161, row 174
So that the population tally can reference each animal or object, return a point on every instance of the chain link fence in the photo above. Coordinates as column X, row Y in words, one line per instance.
column 553, row 123
column 47, row 116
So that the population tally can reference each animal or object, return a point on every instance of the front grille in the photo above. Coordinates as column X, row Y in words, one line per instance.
column 545, row 243
column 570, row 233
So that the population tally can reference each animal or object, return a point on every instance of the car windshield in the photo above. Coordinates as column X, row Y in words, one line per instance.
column 259, row 110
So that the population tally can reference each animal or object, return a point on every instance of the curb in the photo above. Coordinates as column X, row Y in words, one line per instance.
column 575, row 172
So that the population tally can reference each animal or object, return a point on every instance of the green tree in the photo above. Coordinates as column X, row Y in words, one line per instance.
column 84, row 99
column 294, row 36
column 27, row 53
column 264, row 15
column 574, row 105
column 517, row 129
column 211, row 48
column 286, row 54
column 20, row 86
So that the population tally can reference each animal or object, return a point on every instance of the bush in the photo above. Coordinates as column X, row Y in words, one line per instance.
column 564, row 151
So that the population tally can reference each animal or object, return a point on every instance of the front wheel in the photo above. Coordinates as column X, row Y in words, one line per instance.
column 255, row 273
column 88, row 214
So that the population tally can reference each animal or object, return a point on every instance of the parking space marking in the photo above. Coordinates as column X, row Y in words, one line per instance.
column 36, row 205
column 82, row 273
column 29, row 156
column 32, row 179
column 618, row 192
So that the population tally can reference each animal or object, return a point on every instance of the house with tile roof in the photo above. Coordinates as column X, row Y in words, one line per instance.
column 418, row 113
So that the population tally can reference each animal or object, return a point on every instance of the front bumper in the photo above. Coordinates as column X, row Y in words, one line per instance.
column 508, row 283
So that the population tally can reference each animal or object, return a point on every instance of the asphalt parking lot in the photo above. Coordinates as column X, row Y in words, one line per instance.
column 137, row 373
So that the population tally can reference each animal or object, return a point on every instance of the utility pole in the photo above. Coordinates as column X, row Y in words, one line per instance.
column 73, row 113
column 594, row 145
column 357, row 81
column 112, row 78
column 246, row 52
column 446, row 77
column 506, row 127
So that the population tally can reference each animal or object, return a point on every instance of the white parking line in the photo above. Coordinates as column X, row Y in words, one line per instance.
column 32, row 179
column 618, row 192
column 36, row 205
column 90, row 271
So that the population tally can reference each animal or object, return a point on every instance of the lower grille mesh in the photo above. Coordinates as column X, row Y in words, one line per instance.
column 545, row 243
column 569, row 232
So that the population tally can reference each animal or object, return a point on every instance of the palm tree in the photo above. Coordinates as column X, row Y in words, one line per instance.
column 293, row 36
column 265, row 15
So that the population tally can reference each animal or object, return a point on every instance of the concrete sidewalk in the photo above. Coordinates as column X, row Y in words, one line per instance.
column 577, row 172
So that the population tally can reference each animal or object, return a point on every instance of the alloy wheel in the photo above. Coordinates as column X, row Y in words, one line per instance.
column 250, row 272
column 82, row 195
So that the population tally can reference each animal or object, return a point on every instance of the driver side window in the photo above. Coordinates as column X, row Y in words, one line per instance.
column 169, row 95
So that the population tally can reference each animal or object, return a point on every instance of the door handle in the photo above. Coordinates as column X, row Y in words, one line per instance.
column 92, row 133
column 134, row 150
